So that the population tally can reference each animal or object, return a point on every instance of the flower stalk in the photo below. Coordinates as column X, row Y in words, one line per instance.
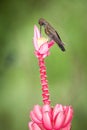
column 44, row 81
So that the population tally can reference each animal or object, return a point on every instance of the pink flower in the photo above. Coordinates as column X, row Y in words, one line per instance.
column 48, row 118
column 41, row 44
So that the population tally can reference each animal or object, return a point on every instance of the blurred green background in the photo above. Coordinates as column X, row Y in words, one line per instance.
column 20, row 87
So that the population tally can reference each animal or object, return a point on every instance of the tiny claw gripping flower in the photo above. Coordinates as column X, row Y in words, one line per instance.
column 41, row 44
column 47, row 118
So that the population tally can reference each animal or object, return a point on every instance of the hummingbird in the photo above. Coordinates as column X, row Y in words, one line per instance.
column 51, row 32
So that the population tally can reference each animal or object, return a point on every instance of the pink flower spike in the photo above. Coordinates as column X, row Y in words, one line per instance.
column 62, row 121
column 41, row 44
column 46, row 117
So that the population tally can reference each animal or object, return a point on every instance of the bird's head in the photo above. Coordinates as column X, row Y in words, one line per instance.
column 42, row 22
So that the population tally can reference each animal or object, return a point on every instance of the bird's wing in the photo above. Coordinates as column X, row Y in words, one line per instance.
column 53, row 31
column 55, row 36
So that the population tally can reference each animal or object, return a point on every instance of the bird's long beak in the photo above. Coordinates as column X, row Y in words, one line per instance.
column 40, row 30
